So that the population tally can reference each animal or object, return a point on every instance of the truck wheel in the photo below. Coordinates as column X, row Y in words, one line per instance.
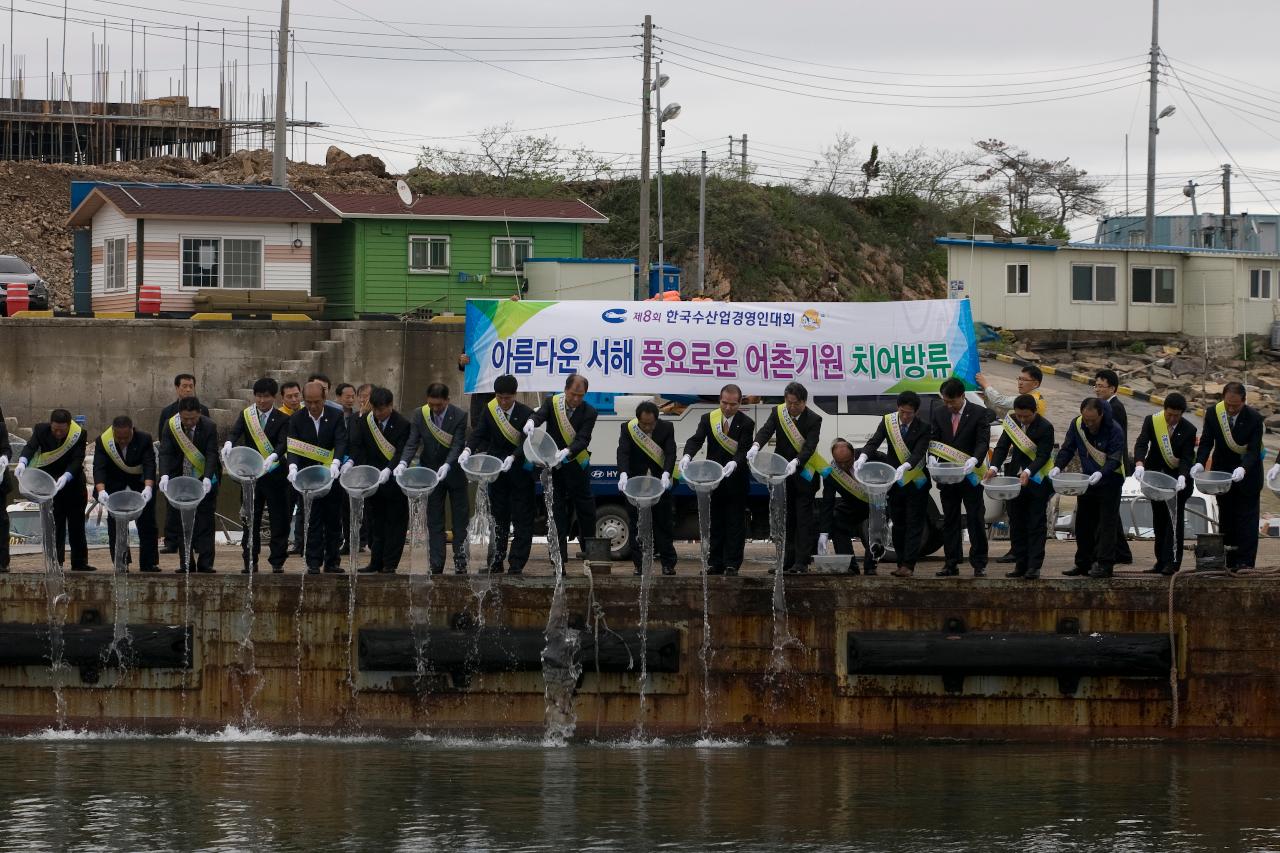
column 613, row 523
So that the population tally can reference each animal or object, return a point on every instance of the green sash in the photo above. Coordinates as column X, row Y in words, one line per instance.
column 307, row 450
column 44, row 460
column 259, row 435
column 113, row 453
column 1099, row 458
column 385, row 447
column 849, row 484
column 503, row 423
column 567, row 432
column 947, row 453
column 1161, row 427
column 650, row 447
column 444, row 438
column 817, row 464
column 1023, row 442
column 1224, row 424
column 900, row 450
column 722, row 438
column 187, row 446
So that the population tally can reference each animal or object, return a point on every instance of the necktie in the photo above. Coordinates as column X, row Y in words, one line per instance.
column 262, row 418
column 384, row 427
column 955, row 423
column 439, row 419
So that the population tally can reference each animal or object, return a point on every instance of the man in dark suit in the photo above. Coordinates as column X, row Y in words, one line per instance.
column 961, row 433
column 1106, row 383
column 727, row 433
column 57, row 447
column 1027, row 443
column 1233, row 437
column 845, row 509
column 799, row 429
column 184, row 386
column 6, row 450
column 499, row 431
column 189, row 448
column 125, row 458
column 908, row 439
column 1167, row 444
column 266, row 429
column 1095, row 439
column 439, row 429
column 570, row 421
column 378, row 439
column 647, row 447
column 317, row 435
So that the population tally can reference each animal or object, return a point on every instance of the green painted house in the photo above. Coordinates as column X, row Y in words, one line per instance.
column 390, row 258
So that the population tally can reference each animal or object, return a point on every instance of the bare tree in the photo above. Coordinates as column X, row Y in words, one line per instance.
column 936, row 175
column 833, row 172
column 501, row 153
column 1040, row 195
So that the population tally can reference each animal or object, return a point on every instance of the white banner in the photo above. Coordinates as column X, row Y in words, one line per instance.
column 697, row 347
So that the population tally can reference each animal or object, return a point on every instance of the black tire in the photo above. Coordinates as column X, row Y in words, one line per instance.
column 614, row 523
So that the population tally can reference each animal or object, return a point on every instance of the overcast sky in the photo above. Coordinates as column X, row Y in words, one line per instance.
column 829, row 57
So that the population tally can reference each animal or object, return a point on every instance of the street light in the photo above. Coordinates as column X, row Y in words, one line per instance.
column 666, row 115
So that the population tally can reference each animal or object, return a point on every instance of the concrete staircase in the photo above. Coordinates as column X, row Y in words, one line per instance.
column 326, row 355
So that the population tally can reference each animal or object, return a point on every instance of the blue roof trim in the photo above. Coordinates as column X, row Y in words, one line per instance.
column 580, row 260
column 991, row 244
column 1188, row 250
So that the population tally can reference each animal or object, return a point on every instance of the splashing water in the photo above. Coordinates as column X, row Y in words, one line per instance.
column 307, row 500
column 353, row 540
column 704, row 649
column 55, row 589
column 560, row 667
column 188, row 517
column 645, row 534
column 419, row 576
column 247, row 684
column 877, row 522
column 777, row 531
column 117, row 654
column 480, row 533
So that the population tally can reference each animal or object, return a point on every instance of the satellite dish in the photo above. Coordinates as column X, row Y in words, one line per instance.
column 406, row 194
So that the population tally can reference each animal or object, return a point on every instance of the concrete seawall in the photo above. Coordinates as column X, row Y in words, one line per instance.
column 1226, row 637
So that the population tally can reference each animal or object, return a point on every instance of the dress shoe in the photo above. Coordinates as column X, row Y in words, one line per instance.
column 333, row 570
column 853, row 569
column 181, row 570
column 249, row 570
column 1016, row 573
column 1100, row 572
column 1075, row 572
column 1007, row 558
column 369, row 570
column 715, row 570
column 277, row 570
column 903, row 572
column 144, row 569
column 668, row 570
column 870, row 571
column 4, row 569
column 1168, row 570
column 496, row 568
column 731, row 571
column 388, row 570
column 85, row 568
column 515, row 570
column 437, row 570
column 1157, row 569
column 948, row 572
column 797, row 569
column 313, row 570
column 459, row 570
column 205, row 570
column 1032, row 575
column 980, row 572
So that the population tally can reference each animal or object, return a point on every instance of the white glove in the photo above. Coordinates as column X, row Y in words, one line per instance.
column 822, row 543
column 464, row 456
column 529, row 427
column 226, row 448
column 383, row 476
column 1271, row 474
column 62, row 481
column 684, row 462
column 101, row 496
column 666, row 480
column 859, row 462
column 622, row 482
column 293, row 475
column 1196, row 469
column 208, row 485
column 751, row 454
column 1095, row 478
column 1237, row 475
column 164, row 480
column 443, row 471
column 792, row 466
column 19, row 468
column 1139, row 472
column 1182, row 482
column 970, row 464
column 147, row 494
column 901, row 471
column 730, row 467
column 335, row 468
column 398, row 469
column 4, row 461
column 269, row 461
column 507, row 463
column 348, row 465
column 1054, row 471
column 561, row 456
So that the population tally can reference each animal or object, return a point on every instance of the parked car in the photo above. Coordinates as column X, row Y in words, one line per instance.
column 14, row 269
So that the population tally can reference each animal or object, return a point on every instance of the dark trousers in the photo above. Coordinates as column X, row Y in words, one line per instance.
column 172, row 529
column 728, row 526
column 908, row 510
column 964, row 495
column 387, row 512
column 849, row 520
column 511, row 496
column 800, row 540
column 1238, row 521
column 345, row 524
column 1096, row 511
column 68, row 521
column 201, row 533
column 295, row 506
column 1123, row 554
column 664, row 548
column 148, row 550
column 324, row 530
column 572, row 486
column 4, row 525
column 1027, row 526
column 455, row 488
column 271, row 493
column 1169, row 531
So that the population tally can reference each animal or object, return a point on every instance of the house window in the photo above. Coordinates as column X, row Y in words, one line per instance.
column 231, row 262
column 1017, row 279
column 1093, row 283
column 429, row 254
column 510, row 252
column 1137, row 238
column 1153, row 286
column 114, row 255
column 1259, row 284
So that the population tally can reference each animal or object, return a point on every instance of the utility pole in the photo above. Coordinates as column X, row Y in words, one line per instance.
column 643, row 254
column 744, row 156
column 279, row 167
column 1226, row 189
column 702, row 226
column 1152, row 124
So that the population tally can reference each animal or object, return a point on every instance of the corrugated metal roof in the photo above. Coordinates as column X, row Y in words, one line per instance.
column 229, row 202
column 351, row 206
column 1102, row 247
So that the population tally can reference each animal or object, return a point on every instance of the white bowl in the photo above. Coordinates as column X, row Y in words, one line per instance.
column 946, row 472
column 769, row 468
column 876, row 477
column 1158, row 487
column 1213, row 482
column 1070, row 483
column 703, row 475
column 1003, row 488
column 644, row 490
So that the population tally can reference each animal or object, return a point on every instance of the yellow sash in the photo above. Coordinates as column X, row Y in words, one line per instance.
column 1161, row 427
column 817, row 464
column 567, row 432
column 1041, row 407
column 385, row 447
column 113, row 453
column 722, row 438
column 848, row 484
column 1099, row 458
column 187, row 446
column 259, row 435
column 307, row 450
column 900, row 450
column 947, row 453
column 1023, row 442
column 503, row 423
column 444, row 438
column 44, row 460
column 1224, row 424
column 650, row 447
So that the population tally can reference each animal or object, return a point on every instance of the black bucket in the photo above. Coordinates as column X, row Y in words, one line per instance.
column 1211, row 553
column 597, row 549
